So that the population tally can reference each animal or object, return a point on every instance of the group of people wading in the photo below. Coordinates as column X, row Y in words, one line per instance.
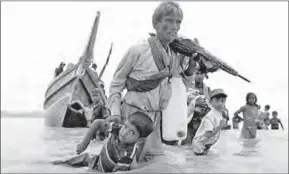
column 132, row 127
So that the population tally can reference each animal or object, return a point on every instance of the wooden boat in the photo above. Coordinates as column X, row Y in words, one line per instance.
column 74, row 84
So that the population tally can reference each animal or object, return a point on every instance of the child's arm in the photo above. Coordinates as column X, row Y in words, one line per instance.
column 105, row 112
column 96, row 125
column 210, row 134
column 237, row 119
column 70, row 107
column 81, row 111
column 238, row 112
column 270, row 121
column 241, row 119
column 281, row 123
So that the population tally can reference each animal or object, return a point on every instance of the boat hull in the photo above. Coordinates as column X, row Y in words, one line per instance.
column 68, row 87
column 55, row 114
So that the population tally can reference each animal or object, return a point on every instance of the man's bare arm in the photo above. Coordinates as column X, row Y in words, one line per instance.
column 119, row 78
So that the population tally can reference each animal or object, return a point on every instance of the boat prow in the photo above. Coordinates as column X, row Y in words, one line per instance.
column 74, row 84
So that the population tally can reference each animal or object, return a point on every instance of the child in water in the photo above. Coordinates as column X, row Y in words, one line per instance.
column 211, row 125
column 98, row 110
column 266, row 117
column 121, row 147
column 275, row 121
column 250, row 113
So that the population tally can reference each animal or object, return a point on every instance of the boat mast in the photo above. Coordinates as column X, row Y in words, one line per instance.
column 87, row 55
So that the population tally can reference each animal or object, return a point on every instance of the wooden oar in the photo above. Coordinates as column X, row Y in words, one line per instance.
column 107, row 60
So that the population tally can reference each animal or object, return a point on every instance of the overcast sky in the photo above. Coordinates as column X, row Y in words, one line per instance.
column 250, row 36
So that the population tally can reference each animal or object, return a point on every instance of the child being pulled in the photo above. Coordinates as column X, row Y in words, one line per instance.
column 250, row 114
column 209, row 130
column 121, row 147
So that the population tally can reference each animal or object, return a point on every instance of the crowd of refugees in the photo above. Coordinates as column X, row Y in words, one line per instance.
column 131, row 124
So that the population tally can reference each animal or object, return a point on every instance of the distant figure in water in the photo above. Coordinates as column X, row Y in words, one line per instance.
column 250, row 113
column 260, row 122
column 275, row 121
column 266, row 117
column 59, row 69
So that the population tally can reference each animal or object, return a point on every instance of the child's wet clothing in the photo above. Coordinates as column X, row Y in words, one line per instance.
column 202, row 144
column 111, row 158
column 249, row 129
column 275, row 123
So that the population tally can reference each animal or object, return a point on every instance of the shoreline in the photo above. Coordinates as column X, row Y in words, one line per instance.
column 22, row 116
column 32, row 114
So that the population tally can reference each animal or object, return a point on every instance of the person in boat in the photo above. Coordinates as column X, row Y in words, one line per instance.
column 101, row 84
column 236, row 120
column 274, row 122
column 250, row 113
column 145, row 72
column 94, row 66
column 59, row 69
column 211, row 125
column 69, row 65
column 92, row 72
column 121, row 149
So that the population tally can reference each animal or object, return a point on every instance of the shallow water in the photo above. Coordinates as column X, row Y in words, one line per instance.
column 27, row 146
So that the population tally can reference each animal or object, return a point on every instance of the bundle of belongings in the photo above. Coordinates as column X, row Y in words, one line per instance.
column 198, row 107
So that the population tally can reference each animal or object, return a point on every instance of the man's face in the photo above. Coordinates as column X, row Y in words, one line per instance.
column 199, row 77
column 168, row 26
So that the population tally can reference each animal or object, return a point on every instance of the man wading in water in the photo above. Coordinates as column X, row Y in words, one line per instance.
column 199, row 107
column 145, row 71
